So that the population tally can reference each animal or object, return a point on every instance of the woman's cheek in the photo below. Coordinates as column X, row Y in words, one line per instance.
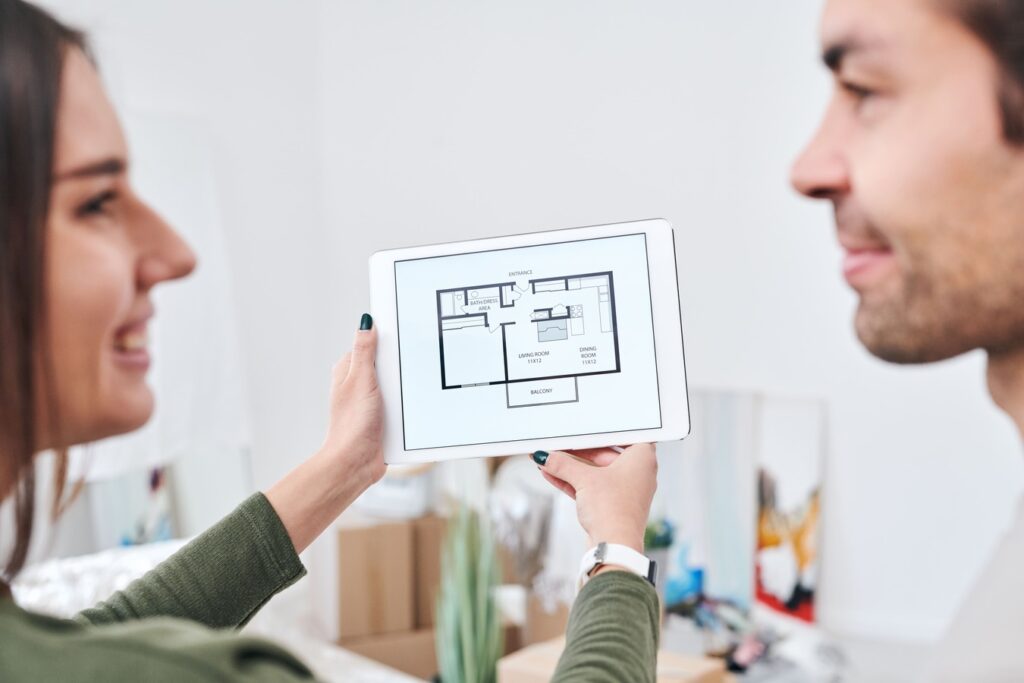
column 91, row 288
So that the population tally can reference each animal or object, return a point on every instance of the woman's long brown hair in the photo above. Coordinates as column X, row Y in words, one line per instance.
column 32, row 48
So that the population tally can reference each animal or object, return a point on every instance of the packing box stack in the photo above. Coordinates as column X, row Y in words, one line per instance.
column 385, row 576
column 411, row 652
column 376, row 581
column 384, row 581
column 428, row 539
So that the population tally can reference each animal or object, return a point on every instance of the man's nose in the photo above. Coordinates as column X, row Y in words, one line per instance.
column 821, row 170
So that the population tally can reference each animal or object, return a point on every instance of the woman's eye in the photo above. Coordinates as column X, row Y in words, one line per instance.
column 97, row 205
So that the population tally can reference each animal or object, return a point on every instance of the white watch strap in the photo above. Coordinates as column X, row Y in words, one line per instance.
column 620, row 556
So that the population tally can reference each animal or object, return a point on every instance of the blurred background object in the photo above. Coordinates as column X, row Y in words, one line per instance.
column 469, row 640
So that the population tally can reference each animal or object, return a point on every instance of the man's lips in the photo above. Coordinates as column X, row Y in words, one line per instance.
column 868, row 256
column 862, row 266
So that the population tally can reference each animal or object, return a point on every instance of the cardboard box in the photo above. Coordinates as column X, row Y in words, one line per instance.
column 541, row 625
column 412, row 653
column 512, row 639
column 374, row 579
column 536, row 664
column 507, row 562
column 428, row 541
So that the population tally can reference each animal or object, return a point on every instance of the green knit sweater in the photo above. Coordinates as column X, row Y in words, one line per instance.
column 177, row 622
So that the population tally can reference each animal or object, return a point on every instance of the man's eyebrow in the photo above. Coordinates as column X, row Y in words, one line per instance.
column 834, row 54
column 111, row 166
column 839, row 50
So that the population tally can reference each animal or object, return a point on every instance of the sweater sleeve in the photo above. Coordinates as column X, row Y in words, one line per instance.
column 36, row 647
column 613, row 631
column 220, row 579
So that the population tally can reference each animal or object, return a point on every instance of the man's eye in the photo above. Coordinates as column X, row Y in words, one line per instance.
column 857, row 92
column 97, row 205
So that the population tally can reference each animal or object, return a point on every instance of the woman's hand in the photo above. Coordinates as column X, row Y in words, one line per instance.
column 351, row 458
column 613, row 490
column 357, row 412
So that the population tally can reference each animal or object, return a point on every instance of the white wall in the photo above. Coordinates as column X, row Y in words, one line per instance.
column 345, row 127
column 248, row 70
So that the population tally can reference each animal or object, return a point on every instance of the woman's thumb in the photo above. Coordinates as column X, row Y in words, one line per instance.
column 364, row 349
column 563, row 466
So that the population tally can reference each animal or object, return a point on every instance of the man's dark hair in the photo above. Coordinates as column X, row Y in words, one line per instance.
column 1000, row 25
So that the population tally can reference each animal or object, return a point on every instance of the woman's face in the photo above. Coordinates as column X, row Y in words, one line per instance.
column 105, row 251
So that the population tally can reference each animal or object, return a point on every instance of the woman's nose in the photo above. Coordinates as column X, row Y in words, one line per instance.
column 165, row 255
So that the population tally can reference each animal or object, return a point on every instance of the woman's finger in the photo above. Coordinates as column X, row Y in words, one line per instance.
column 602, row 457
column 560, row 485
column 565, row 466
column 364, row 351
column 341, row 368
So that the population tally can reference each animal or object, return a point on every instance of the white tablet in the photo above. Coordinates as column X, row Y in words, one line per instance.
column 543, row 341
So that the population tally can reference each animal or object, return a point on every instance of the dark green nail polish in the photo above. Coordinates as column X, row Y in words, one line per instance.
column 540, row 457
column 366, row 322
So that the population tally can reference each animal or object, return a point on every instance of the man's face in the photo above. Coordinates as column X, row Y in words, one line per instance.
column 928, row 195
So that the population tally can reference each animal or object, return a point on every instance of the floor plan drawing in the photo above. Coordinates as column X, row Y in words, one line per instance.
column 535, row 337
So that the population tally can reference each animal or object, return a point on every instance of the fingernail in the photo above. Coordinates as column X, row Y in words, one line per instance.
column 540, row 457
column 366, row 322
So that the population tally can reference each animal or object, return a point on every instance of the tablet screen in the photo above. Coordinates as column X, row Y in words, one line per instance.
column 530, row 342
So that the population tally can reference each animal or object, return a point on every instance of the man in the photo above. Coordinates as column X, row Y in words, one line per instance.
column 921, row 152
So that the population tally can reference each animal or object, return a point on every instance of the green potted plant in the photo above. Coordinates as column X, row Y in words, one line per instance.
column 468, row 626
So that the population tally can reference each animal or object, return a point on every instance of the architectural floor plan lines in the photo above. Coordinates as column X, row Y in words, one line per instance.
column 535, row 338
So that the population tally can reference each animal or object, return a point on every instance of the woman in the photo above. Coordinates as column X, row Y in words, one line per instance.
column 80, row 254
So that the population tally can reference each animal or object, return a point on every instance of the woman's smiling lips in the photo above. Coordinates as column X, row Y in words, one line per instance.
column 131, row 343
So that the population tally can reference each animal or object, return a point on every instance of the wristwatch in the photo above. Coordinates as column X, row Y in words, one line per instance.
column 620, row 556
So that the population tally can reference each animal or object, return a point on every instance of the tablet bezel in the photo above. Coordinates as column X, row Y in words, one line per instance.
column 668, row 340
